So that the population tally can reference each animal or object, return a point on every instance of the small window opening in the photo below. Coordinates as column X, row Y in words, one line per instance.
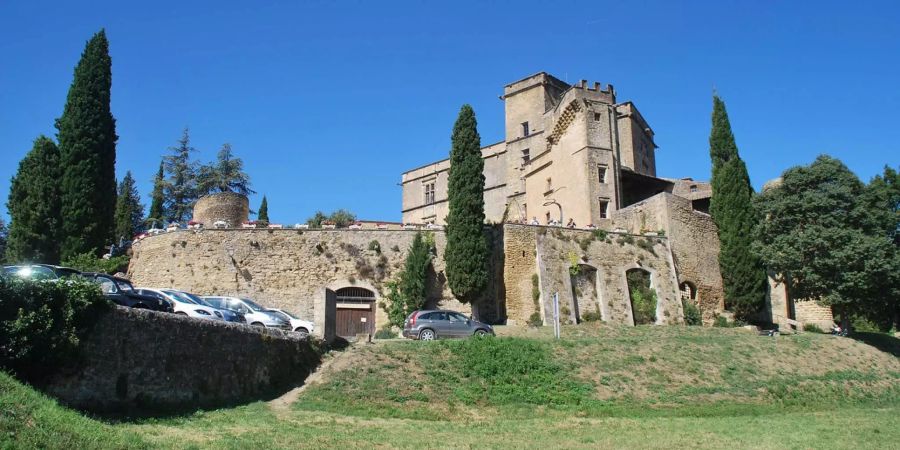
column 604, row 208
column 429, row 193
column 601, row 172
column 525, row 130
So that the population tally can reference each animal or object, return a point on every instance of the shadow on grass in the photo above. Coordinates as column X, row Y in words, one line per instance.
column 881, row 341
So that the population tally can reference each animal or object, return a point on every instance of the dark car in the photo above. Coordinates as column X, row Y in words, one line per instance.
column 39, row 271
column 428, row 325
column 121, row 292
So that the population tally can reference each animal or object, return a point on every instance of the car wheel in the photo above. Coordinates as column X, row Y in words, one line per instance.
column 481, row 333
column 258, row 324
column 303, row 332
column 427, row 335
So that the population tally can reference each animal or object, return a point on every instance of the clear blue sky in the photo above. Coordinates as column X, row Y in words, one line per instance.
column 329, row 102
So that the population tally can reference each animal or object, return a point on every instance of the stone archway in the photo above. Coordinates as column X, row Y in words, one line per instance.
column 643, row 298
column 585, row 295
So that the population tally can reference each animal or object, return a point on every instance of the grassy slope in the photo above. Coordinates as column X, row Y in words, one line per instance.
column 618, row 387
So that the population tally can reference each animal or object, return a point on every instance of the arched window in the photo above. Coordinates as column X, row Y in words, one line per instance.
column 642, row 295
column 688, row 291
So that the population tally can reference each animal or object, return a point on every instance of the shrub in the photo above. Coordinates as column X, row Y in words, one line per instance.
column 692, row 314
column 87, row 262
column 646, row 245
column 42, row 322
column 385, row 333
column 599, row 235
column 591, row 316
column 721, row 322
column 812, row 328
column 535, row 319
column 375, row 246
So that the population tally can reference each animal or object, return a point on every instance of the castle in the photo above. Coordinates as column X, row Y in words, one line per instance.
column 571, row 152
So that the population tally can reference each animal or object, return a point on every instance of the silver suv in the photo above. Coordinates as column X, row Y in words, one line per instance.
column 254, row 313
column 432, row 324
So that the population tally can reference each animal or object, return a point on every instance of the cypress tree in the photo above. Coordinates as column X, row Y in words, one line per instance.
column 467, row 250
column 157, row 199
column 87, row 145
column 129, row 210
column 731, row 207
column 34, row 206
column 180, row 188
column 4, row 233
column 263, row 215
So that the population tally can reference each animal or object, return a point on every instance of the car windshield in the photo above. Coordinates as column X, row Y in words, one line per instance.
column 192, row 298
column 253, row 305
column 179, row 297
column 287, row 313
column 125, row 286
column 217, row 302
column 32, row 272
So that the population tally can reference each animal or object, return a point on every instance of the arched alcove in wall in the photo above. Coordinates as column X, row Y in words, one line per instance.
column 642, row 296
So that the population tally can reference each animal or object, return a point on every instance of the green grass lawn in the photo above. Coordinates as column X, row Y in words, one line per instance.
column 644, row 387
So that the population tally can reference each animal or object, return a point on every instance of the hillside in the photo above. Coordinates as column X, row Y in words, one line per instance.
column 599, row 386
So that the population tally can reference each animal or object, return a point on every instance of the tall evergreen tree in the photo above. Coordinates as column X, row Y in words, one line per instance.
column 225, row 175
column 731, row 207
column 87, row 146
column 467, row 250
column 34, row 206
column 410, row 292
column 129, row 210
column 157, row 212
column 180, row 188
column 263, row 214
column 4, row 233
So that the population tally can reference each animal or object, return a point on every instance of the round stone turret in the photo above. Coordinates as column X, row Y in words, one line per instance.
column 228, row 207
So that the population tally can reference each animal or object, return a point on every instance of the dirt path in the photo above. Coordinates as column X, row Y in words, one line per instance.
column 334, row 362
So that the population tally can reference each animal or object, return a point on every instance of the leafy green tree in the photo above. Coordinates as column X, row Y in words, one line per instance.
column 410, row 292
column 129, row 210
column 157, row 213
column 882, row 202
column 34, row 206
column 263, row 215
column 341, row 218
column 731, row 207
column 643, row 297
column 225, row 175
column 87, row 146
column 821, row 237
column 467, row 250
column 180, row 185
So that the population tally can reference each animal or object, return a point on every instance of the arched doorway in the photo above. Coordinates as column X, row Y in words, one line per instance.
column 642, row 295
column 354, row 311
column 584, row 293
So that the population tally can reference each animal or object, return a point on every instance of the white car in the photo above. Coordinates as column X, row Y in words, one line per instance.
column 299, row 325
column 183, row 305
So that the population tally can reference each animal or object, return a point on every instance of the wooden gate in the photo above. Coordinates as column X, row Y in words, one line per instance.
column 355, row 312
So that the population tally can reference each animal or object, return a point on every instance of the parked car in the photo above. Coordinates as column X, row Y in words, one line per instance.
column 297, row 324
column 428, row 325
column 228, row 315
column 39, row 271
column 255, row 314
column 121, row 292
column 183, row 305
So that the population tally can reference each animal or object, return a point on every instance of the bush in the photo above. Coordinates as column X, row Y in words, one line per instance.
column 535, row 320
column 87, row 262
column 599, row 235
column 692, row 314
column 42, row 322
column 721, row 322
column 385, row 333
column 812, row 328
column 592, row 316
column 375, row 246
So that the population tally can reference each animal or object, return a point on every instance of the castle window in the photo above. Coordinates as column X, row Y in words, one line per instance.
column 549, row 184
column 525, row 130
column 596, row 117
column 601, row 171
column 429, row 193
column 693, row 188
column 604, row 208
column 526, row 156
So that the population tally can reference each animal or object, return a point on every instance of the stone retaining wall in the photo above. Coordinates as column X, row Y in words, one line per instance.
column 139, row 361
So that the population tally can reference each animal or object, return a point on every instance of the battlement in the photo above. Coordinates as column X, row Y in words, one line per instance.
column 583, row 84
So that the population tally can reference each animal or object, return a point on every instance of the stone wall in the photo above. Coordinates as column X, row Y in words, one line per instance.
column 289, row 269
column 549, row 252
column 138, row 361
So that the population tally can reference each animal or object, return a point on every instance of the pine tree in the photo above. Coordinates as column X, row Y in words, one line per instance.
column 34, row 206
column 467, row 250
column 129, row 210
column 180, row 188
column 4, row 234
column 157, row 200
column 87, row 146
column 263, row 215
column 225, row 175
column 410, row 291
column 731, row 207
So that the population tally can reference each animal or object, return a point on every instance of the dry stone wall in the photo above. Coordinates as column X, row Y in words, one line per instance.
column 288, row 269
column 139, row 361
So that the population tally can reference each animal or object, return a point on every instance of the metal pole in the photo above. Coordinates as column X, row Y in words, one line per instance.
column 556, row 314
